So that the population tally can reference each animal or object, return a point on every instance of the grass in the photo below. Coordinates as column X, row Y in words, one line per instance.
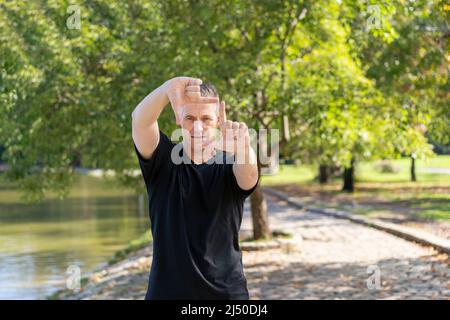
column 133, row 246
column 376, row 192
column 290, row 174
column 366, row 171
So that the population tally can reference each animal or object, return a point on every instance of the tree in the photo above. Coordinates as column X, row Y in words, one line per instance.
column 410, row 66
column 340, row 115
column 75, row 88
column 346, row 93
column 292, row 60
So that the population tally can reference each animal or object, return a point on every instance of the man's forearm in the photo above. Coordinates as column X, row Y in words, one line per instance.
column 246, row 172
column 148, row 110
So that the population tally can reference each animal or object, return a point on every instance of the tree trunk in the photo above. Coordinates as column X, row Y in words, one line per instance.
column 349, row 178
column 258, row 203
column 259, row 213
column 323, row 174
column 413, row 168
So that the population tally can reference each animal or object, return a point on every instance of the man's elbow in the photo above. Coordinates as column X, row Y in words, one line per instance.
column 134, row 119
column 253, row 176
column 133, row 114
column 250, row 182
column 249, row 179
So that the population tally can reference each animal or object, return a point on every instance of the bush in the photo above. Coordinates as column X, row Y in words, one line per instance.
column 386, row 167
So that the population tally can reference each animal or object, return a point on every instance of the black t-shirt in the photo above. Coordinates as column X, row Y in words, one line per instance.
column 196, row 213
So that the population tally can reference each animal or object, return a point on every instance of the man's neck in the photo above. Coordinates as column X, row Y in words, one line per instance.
column 195, row 157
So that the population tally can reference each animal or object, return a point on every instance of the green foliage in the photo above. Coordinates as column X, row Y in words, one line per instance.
column 349, row 91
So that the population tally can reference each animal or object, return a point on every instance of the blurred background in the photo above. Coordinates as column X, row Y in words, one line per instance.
column 358, row 90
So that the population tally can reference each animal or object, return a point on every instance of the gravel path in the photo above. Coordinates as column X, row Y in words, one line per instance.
column 341, row 260
column 332, row 259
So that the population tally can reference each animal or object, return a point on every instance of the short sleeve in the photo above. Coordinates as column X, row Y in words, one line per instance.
column 151, row 167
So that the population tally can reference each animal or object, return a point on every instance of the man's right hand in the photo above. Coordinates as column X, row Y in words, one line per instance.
column 182, row 90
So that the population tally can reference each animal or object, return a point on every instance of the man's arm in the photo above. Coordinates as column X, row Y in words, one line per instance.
column 236, row 139
column 145, row 130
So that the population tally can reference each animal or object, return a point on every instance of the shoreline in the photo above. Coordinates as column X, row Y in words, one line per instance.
column 132, row 264
column 134, row 248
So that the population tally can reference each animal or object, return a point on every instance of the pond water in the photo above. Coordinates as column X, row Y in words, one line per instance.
column 41, row 243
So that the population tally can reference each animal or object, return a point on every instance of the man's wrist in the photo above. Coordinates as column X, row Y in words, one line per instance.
column 245, row 155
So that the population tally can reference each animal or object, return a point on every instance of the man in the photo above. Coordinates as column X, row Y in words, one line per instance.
column 195, row 206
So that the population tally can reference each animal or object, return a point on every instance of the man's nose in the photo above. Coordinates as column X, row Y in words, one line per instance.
column 198, row 126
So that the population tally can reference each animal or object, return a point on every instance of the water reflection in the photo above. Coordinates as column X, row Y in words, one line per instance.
column 39, row 242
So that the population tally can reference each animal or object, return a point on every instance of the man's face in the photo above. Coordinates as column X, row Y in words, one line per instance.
column 199, row 122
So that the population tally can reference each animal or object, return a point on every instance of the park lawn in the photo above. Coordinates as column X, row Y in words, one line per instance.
column 288, row 174
column 366, row 172
column 377, row 194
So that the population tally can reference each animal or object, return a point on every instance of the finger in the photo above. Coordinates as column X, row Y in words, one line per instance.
column 242, row 126
column 193, row 89
column 247, row 148
column 227, row 125
column 222, row 113
column 196, row 98
column 194, row 95
column 242, row 130
column 247, row 140
column 208, row 99
column 235, row 127
column 194, row 82
column 227, row 135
